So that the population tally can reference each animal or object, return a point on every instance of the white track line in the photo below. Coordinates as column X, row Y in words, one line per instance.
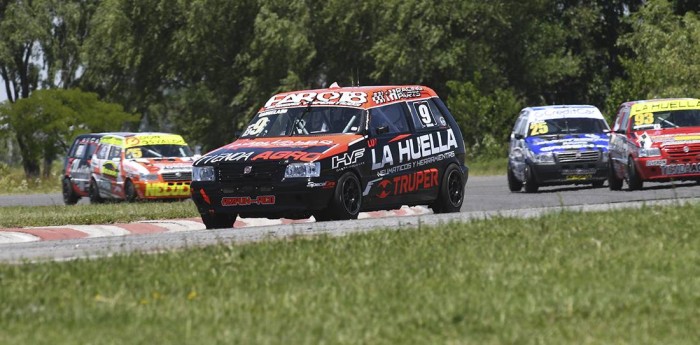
column 176, row 225
column 16, row 237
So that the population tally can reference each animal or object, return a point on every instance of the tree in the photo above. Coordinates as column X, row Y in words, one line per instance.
column 45, row 122
column 663, row 56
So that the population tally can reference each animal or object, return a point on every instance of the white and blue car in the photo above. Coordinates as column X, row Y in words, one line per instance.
column 558, row 145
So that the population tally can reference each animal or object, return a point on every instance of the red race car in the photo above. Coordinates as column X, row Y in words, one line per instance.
column 655, row 140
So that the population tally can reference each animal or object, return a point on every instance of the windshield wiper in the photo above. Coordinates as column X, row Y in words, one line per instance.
column 298, row 120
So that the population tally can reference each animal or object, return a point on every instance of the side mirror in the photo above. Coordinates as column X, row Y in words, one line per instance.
column 382, row 130
column 518, row 136
column 237, row 134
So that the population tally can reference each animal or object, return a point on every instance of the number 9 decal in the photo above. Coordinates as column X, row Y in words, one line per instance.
column 424, row 114
column 257, row 127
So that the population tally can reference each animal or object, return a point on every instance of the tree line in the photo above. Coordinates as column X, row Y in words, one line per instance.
column 202, row 68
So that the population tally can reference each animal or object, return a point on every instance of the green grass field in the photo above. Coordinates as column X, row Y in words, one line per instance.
column 122, row 212
column 625, row 277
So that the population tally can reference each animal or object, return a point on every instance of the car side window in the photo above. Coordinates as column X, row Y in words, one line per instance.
column 102, row 152
column 520, row 127
column 426, row 115
column 388, row 119
column 79, row 151
column 625, row 119
column 115, row 152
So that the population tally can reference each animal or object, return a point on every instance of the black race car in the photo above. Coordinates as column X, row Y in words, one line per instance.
column 333, row 153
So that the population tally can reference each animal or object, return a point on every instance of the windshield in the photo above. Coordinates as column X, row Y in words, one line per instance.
column 667, row 119
column 158, row 151
column 577, row 125
column 305, row 121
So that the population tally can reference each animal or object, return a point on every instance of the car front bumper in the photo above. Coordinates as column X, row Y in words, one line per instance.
column 560, row 174
column 291, row 198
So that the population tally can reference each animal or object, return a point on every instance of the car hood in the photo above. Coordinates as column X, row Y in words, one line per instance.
column 306, row 148
column 158, row 165
column 668, row 136
column 542, row 144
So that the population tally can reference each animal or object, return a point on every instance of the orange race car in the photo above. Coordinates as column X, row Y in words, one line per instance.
column 130, row 166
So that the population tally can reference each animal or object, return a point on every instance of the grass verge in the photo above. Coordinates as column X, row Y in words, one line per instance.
column 624, row 277
column 13, row 181
column 487, row 166
column 21, row 216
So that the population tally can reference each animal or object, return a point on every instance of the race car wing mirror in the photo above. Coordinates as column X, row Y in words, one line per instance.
column 382, row 129
column 518, row 136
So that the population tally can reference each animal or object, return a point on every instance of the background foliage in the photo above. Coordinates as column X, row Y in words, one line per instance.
column 202, row 67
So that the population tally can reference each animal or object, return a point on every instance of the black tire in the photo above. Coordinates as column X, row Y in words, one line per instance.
column 451, row 195
column 130, row 194
column 513, row 184
column 69, row 195
column 94, row 193
column 598, row 184
column 531, row 185
column 634, row 182
column 346, row 202
column 614, row 182
column 219, row 220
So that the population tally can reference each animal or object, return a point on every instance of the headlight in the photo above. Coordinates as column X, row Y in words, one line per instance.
column 650, row 152
column 149, row 177
column 205, row 173
column 544, row 158
column 604, row 157
column 303, row 170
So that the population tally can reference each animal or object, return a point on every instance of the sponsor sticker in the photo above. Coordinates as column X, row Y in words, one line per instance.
column 248, row 200
column 680, row 169
column 167, row 189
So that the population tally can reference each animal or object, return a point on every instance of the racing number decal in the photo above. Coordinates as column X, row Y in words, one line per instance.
column 257, row 127
column 643, row 119
column 537, row 128
column 424, row 114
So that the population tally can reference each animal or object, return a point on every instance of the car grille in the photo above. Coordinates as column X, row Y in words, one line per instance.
column 260, row 173
column 578, row 156
column 677, row 151
column 184, row 176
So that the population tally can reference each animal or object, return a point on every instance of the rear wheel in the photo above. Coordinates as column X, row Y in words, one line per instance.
column 94, row 193
column 634, row 182
column 219, row 220
column 513, row 184
column 346, row 201
column 451, row 195
column 70, row 197
column 130, row 191
column 614, row 182
column 531, row 185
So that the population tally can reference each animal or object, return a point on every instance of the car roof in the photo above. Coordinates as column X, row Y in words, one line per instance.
column 651, row 105
column 547, row 112
column 361, row 97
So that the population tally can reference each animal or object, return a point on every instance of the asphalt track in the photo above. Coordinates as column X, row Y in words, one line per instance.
column 486, row 196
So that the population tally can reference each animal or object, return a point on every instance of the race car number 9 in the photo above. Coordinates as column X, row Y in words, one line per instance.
column 537, row 128
column 257, row 127
column 424, row 114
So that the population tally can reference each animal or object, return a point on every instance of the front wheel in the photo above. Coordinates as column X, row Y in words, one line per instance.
column 451, row 195
column 531, row 185
column 634, row 181
column 346, row 201
column 130, row 191
column 94, row 193
column 614, row 182
column 219, row 220
column 513, row 184
column 70, row 197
